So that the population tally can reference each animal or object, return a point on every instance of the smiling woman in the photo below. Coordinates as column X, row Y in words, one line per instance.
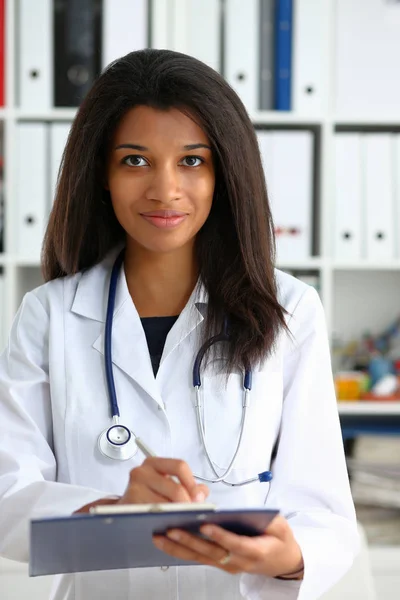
column 160, row 243
column 169, row 186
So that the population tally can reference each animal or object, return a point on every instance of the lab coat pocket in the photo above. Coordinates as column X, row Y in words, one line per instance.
column 223, row 412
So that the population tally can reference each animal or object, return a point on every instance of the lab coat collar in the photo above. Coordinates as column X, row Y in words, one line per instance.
column 129, row 345
column 91, row 297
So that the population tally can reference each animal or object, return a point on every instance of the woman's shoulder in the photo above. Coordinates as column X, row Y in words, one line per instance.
column 291, row 290
column 61, row 293
column 303, row 306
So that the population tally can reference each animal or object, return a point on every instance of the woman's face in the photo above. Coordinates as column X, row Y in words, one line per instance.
column 161, row 178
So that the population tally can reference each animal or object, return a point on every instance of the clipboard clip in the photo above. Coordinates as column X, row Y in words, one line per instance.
column 169, row 507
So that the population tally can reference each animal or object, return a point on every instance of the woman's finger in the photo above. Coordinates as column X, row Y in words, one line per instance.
column 189, row 548
column 177, row 468
column 139, row 494
column 249, row 548
column 159, row 483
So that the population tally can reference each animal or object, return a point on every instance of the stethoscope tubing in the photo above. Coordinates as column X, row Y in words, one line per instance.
column 125, row 454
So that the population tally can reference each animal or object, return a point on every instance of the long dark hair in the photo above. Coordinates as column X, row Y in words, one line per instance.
column 236, row 246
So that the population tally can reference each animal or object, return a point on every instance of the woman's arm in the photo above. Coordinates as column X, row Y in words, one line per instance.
column 310, row 484
column 28, row 469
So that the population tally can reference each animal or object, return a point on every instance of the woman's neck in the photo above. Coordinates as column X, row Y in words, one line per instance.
column 160, row 284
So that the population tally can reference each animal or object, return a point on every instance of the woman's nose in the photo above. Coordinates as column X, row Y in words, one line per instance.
column 164, row 185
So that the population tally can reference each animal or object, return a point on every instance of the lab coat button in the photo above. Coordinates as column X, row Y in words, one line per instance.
column 164, row 568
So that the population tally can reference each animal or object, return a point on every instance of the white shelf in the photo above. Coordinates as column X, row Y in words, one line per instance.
column 360, row 408
column 366, row 265
column 302, row 265
column 53, row 114
column 277, row 117
column 11, row 260
column 367, row 121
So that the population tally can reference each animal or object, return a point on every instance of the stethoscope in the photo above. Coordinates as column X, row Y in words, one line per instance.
column 120, row 443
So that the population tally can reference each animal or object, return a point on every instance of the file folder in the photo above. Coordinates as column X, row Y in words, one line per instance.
column 125, row 28
column 160, row 24
column 310, row 32
column 283, row 54
column 290, row 196
column 190, row 27
column 196, row 30
column 242, row 50
column 379, row 195
column 95, row 542
column 35, row 68
column 32, row 188
column 266, row 31
column 367, row 58
column 58, row 138
column 77, row 49
column 348, row 196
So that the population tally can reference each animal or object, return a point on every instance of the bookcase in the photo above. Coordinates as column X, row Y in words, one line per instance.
column 357, row 294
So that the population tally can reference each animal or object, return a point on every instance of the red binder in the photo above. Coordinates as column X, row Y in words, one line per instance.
column 2, row 52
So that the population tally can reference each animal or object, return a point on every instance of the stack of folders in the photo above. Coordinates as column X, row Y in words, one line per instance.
column 287, row 158
column 367, row 58
column 269, row 53
column 36, row 181
column 64, row 44
column 367, row 206
column 266, row 51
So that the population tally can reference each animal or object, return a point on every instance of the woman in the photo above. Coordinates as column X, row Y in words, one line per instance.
column 162, row 163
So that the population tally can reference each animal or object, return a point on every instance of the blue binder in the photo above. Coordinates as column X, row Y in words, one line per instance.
column 98, row 542
column 283, row 54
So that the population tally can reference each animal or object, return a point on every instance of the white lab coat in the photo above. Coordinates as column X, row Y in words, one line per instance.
column 54, row 404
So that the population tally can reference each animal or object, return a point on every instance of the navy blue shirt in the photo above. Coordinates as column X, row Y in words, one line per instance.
column 156, row 330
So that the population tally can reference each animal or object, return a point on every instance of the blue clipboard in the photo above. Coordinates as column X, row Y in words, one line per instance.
column 96, row 542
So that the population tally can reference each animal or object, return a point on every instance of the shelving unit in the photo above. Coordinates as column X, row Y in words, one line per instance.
column 23, row 273
column 369, row 408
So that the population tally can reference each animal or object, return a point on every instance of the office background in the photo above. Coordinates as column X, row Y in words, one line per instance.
column 321, row 82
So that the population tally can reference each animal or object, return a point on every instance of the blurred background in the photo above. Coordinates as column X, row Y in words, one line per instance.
column 321, row 82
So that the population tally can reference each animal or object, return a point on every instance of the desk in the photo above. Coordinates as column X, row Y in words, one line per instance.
column 369, row 418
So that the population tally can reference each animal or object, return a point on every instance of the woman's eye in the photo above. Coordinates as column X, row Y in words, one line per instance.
column 192, row 161
column 135, row 161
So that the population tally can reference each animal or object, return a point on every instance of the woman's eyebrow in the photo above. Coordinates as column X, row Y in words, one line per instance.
column 196, row 146
column 145, row 149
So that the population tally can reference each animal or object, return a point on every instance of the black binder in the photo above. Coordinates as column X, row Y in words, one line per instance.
column 77, row 27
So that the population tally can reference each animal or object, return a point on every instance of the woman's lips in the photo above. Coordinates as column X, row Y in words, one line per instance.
column 164, row 218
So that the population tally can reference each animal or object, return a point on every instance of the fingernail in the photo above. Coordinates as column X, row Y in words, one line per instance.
column 200, row 497
column 174, row 535
column 159, row 542
column 207, row 530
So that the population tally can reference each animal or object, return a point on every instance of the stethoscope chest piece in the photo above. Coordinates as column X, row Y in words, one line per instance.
column 117, row 442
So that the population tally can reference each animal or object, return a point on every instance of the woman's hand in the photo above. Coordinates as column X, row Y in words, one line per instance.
column 275, row 553
column 158, row 480
column 163, row 480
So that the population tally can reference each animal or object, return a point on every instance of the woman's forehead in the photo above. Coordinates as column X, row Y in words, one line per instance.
column 148, row 122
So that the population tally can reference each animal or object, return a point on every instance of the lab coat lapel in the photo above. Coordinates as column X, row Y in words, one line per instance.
column 191, row 316
column 129, row 346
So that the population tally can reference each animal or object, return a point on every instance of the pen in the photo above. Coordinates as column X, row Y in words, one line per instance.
column 149, row 453
column 144, row 448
